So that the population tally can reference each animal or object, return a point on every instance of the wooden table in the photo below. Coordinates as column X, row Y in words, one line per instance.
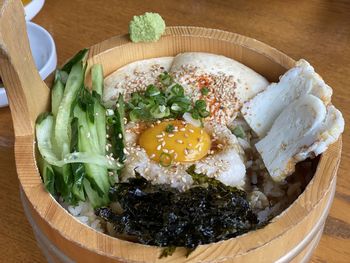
column 316, row 30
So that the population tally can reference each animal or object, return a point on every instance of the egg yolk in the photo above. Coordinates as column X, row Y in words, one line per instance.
column 176, row 141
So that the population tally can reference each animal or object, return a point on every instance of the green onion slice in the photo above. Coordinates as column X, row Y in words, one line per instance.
column 165, row 159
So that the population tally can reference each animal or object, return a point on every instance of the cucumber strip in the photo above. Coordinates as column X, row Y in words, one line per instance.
column 100, row 124
column 48, row 177
column 86, row 157
column 98, row 178
column 79, row 173
column 62, row 127
column 78, row 169
column 89, row 131
column 63, row 181
column 44, row 129
column 43, row 132
column 56, row 94
column 95, row 200
column 97, row 175
column 119, row 131
column 80, row 56
column 97, row 78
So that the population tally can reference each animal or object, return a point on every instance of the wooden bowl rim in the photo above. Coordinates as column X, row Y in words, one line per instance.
column 49, row 209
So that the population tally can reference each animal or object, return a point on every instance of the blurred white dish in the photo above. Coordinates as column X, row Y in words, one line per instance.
column 43, row 51
column 33, row 8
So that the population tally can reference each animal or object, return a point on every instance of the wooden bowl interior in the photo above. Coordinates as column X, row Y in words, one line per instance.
column 118, row 51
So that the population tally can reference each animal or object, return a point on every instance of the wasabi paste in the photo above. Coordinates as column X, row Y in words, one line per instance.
column 146, row 28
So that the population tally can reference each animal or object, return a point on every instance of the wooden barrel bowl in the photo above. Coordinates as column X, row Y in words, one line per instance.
column 290, row 237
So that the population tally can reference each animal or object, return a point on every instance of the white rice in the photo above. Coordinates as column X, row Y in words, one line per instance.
column 84, row 213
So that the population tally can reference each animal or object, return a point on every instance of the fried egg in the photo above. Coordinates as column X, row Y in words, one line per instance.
column 175, row 141
column 163, row 152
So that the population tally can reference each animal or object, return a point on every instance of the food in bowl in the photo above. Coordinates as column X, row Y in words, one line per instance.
column 168, row 151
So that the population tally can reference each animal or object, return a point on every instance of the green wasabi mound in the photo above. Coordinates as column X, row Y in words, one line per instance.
column 146, row 28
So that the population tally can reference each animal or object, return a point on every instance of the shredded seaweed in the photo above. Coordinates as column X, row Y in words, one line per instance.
column 168, row 251
column 163, row 216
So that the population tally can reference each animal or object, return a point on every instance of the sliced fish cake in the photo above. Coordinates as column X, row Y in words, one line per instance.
column 305, row 128
column 261, row 111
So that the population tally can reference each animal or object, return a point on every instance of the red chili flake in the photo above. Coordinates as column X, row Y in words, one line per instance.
column 203, row 81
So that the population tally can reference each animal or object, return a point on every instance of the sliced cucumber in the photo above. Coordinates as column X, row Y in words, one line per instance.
column 48, row 177
column 119, row 130
column 80, row 56
column 96, row 174
column 56, row 94
column 97, row 78
column 44, row 130
column 95, row 200
column 78, row 169
column 63, row 120
column 100, row 124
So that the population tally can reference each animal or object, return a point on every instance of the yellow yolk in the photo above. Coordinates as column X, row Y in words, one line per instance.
column 186, row 143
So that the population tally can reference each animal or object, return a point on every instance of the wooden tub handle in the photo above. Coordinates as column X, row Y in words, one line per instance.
column 27, row 93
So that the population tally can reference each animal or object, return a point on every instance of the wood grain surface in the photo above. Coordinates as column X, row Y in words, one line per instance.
column 316, row 30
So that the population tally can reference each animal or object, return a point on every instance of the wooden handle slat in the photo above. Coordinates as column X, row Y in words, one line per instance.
column 27, row 93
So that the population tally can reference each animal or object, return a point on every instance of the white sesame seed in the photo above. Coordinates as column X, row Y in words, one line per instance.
column 152, row 156
column 120, row 136
column 163, row 144
column 171, row 135
column 159, row 147
column 183, row 129
column 179, row 141
column 159, row 136
column 165, row 150
column 191, row 131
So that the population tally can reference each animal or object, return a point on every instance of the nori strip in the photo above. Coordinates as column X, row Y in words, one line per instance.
column 162, row 216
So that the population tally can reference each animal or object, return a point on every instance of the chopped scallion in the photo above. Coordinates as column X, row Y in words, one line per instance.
column 239, row 132
column 169, row 128
column 204, row 91
column 165, row 159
